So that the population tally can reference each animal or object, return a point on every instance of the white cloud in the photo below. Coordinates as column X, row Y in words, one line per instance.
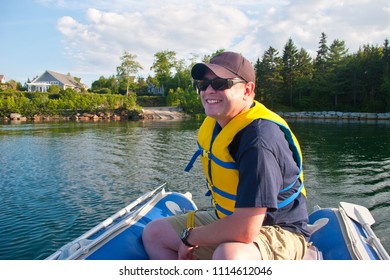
column 102, row 36
column 107, row 28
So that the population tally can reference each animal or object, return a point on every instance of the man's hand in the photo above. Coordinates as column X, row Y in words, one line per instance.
column 186, row 253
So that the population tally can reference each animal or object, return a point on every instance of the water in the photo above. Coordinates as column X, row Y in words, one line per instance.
column 57, row 180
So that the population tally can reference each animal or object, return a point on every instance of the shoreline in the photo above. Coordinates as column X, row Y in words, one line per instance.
column 168, row 113
column 163, row 113
column 147, row 113
column 335, row 115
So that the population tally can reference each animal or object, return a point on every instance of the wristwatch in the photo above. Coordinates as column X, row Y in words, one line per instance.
column 184, row 235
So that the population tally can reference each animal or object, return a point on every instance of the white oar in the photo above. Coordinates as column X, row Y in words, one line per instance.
column 120, row 213
column 363, row 216
column 106, row 222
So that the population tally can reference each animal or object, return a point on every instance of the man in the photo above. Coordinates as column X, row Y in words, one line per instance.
column 253, row 166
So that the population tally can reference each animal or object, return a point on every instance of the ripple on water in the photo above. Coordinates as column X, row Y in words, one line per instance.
column 63, row 179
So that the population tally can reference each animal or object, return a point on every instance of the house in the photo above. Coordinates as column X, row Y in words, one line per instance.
column 49, row 78
column 2, row 79
column 153, row 90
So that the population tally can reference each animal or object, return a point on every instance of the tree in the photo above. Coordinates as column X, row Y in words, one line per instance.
column 106, row 85
column 371, row 74
column 386, row 53
column 335, row 61
column 289, row 67
column 305, row 72
column 337, row 52
column 163, row 66
column 207, row 58
column 12, row 84
column 319, row 85
column 142, row 88
column 321, row 54
column 182, row 78
column 385, row 86
column 129, row 66
column 54, row 89
column 268, row 77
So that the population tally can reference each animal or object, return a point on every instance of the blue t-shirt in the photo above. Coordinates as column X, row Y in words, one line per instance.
column 266, row 165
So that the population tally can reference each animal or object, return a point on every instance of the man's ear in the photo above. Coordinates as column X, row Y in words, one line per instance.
column 249, row 89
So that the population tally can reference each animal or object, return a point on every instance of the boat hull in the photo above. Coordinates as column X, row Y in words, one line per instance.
column 334, row 233
column 167, row 205
column 338, row 237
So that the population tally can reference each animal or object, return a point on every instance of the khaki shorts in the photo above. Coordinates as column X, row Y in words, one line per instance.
column 273, row 242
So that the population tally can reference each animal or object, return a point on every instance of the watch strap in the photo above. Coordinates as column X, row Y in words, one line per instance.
column 186, row 233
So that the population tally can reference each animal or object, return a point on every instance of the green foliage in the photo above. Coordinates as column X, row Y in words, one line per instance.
column 151, row 101
column 190, row 102
column 54, row 89
column 126, row 71
column 173, row 97
column 66, row 102
column 105, row 85
column 142, row 87
column 335, row 80
column 164, row 65
column 269, row 78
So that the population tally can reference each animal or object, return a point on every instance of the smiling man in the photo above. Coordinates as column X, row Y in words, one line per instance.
column 253, row 167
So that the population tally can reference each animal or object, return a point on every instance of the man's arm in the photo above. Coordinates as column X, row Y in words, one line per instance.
column 242, row 226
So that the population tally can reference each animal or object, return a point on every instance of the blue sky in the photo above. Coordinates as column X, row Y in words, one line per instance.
column 86, row 38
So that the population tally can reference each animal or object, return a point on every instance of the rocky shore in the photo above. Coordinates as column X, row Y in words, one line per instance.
column 15, row 117
column 147, row 113
column 176, row 113
column 336, row 115
column 163, row 113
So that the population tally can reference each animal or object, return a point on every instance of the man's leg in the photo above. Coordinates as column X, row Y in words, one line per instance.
column 237, row 251
column 272, row 243
column 160, row 240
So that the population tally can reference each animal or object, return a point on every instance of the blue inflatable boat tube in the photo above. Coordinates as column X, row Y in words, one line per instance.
column 342, row 233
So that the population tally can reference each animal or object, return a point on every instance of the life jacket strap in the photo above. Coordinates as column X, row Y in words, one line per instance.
column 192, row 161
column 191, row 219
column 222, row 210
column 223, row 193
column 293, row 183
column 291, row 198
column 209, row 155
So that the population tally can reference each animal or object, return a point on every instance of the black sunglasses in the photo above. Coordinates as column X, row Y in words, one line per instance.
column 217, row 83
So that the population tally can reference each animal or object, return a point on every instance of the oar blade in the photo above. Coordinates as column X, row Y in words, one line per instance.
column 358, row 213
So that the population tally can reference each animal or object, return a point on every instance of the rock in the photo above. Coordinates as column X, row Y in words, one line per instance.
column 15, row 116
column 115, row 117
column 163, row 113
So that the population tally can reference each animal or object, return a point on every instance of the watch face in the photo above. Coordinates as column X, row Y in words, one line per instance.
column 184, row 234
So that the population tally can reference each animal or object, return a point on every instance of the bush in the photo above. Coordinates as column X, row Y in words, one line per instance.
column 173, row 97
column 190, row 102
column 67, row 101
column 151, row 101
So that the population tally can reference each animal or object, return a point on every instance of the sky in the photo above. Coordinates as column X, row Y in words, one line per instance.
column 87, row 37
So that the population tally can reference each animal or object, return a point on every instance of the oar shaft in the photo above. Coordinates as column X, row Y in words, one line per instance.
column 376, row 242
column 373, row 239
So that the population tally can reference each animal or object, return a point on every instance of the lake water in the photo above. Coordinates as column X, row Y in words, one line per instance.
column 57, row 180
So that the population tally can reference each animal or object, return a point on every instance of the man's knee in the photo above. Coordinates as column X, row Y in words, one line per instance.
column 226, row 251
column 236, row 251
column 160, row 232
column 151, row 231
column 160, row 240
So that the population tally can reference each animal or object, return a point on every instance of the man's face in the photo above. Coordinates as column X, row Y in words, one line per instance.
column 223, row 105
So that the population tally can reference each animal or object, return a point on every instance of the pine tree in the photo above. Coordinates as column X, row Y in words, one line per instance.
column 289, row 72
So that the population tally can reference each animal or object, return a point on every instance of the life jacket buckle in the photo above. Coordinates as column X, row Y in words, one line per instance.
column 205, row 153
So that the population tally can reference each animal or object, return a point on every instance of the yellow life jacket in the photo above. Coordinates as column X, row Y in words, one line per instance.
column 219, row 166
